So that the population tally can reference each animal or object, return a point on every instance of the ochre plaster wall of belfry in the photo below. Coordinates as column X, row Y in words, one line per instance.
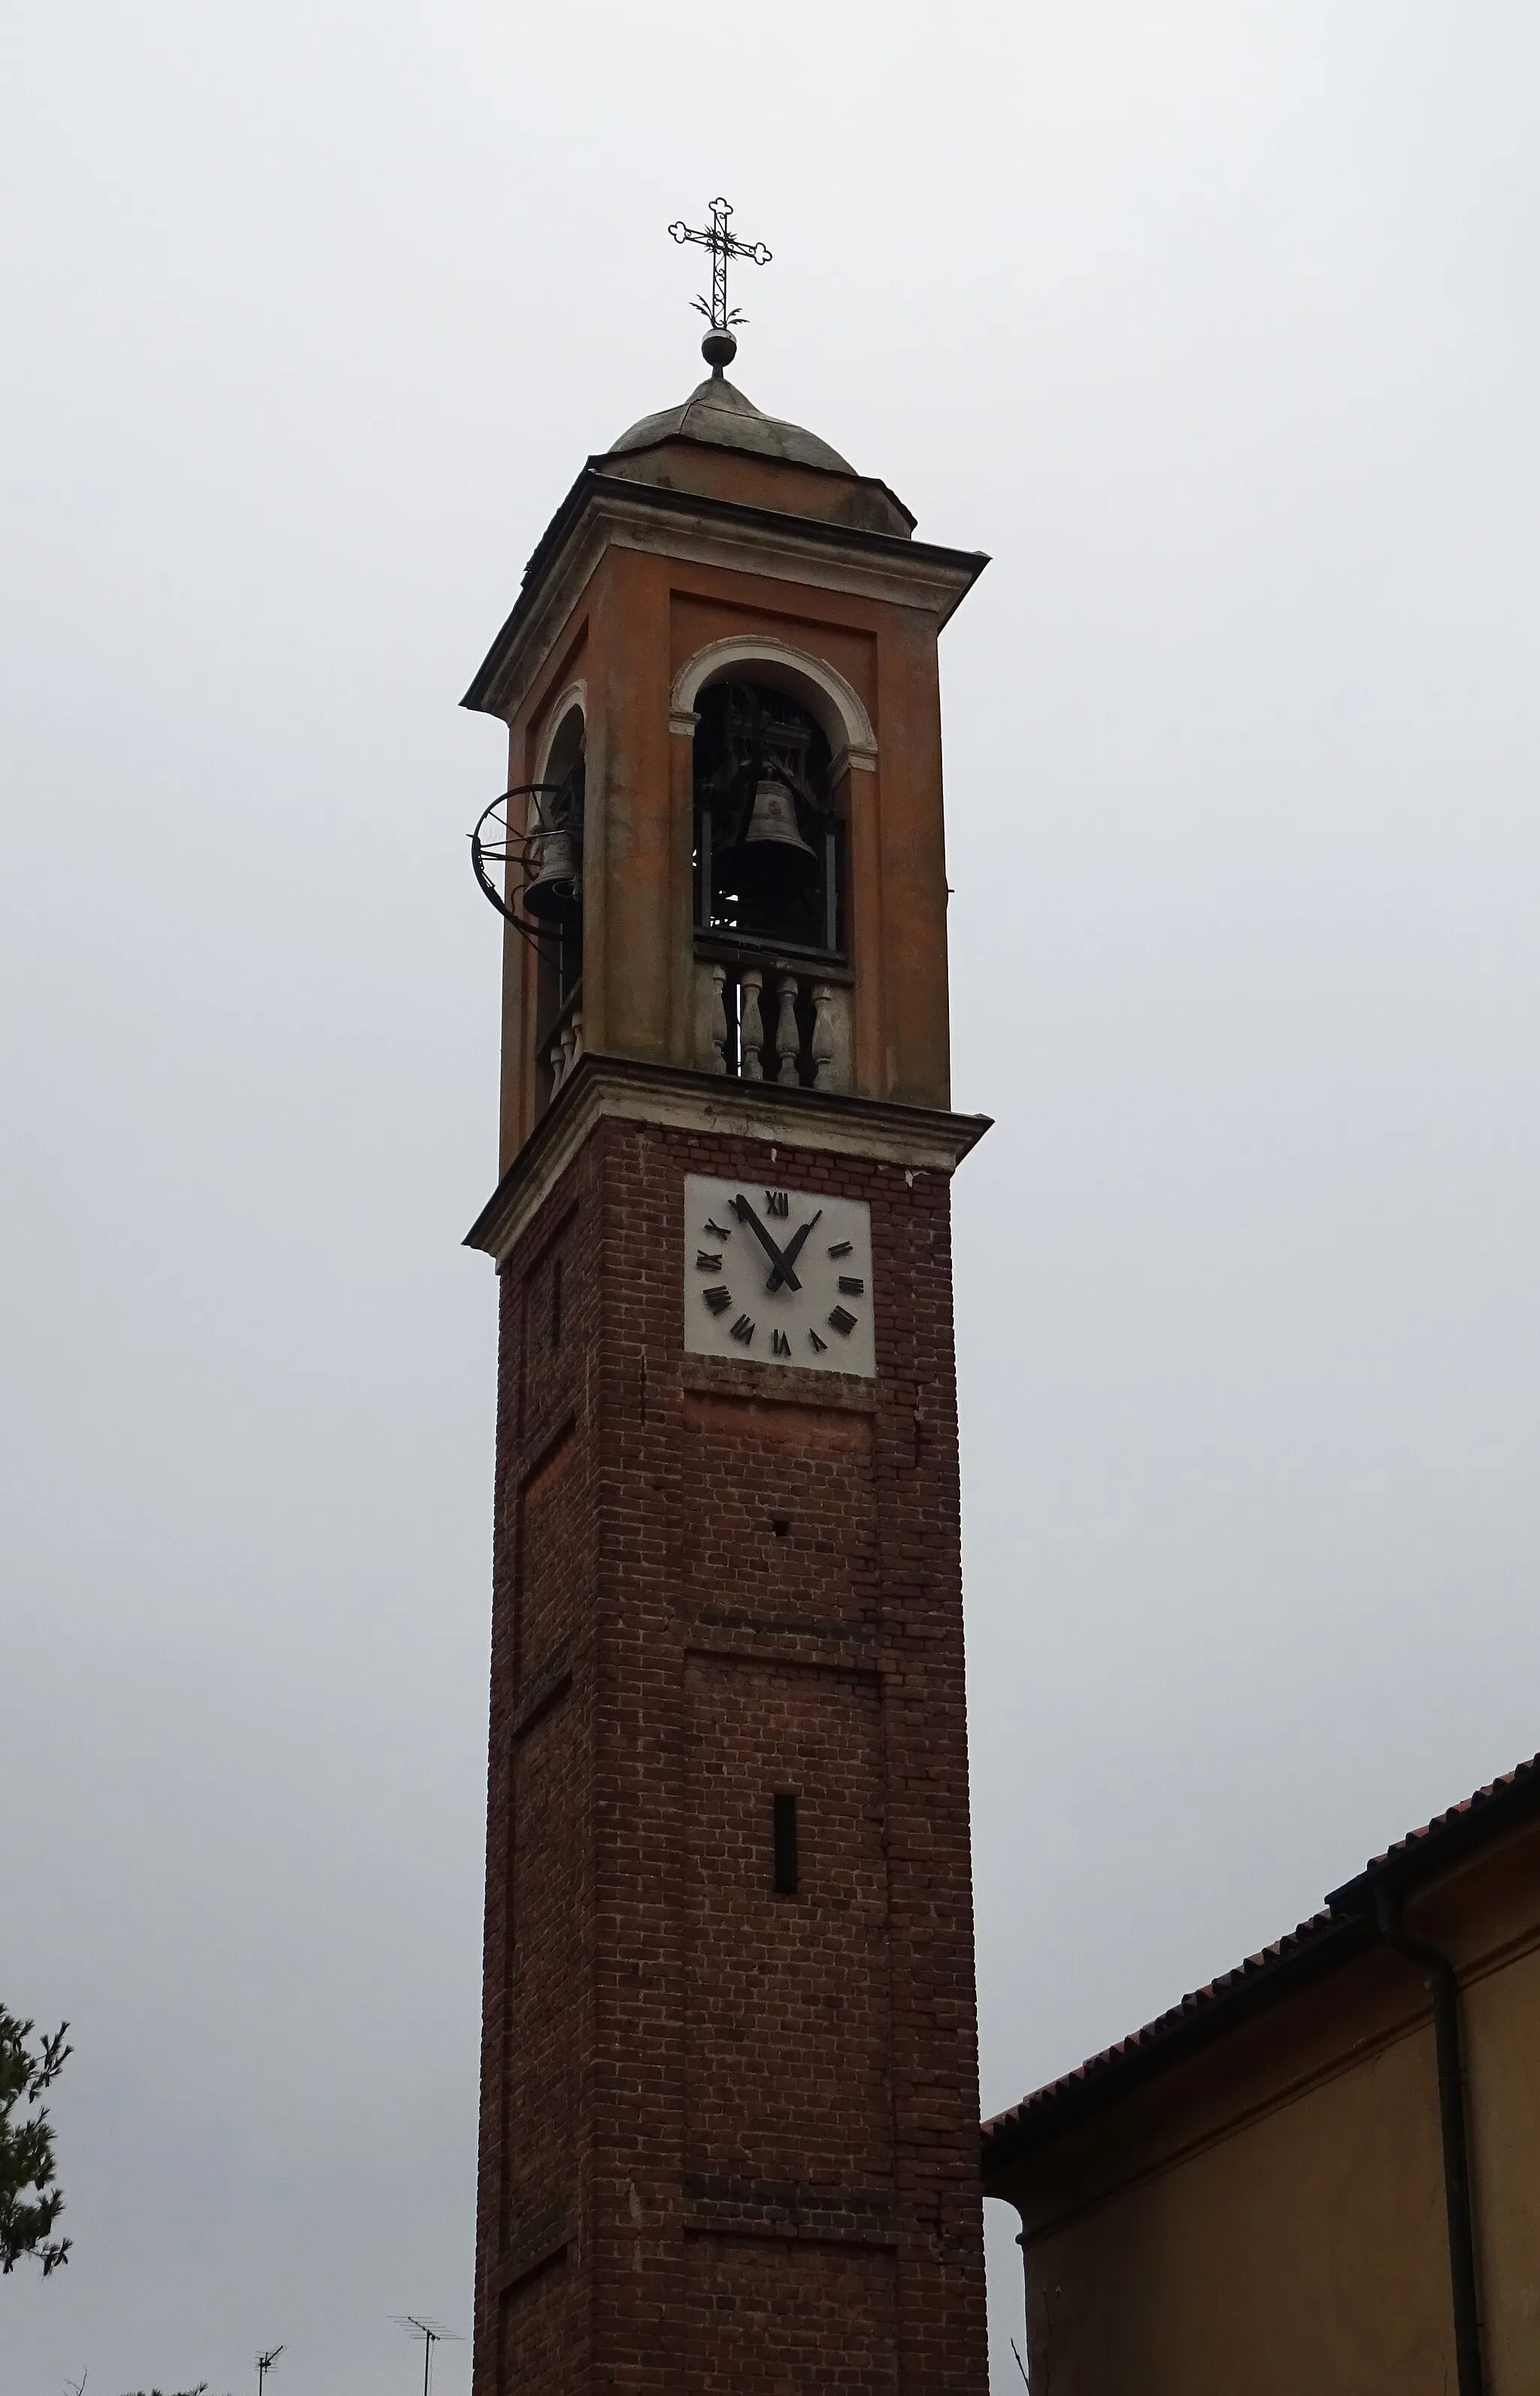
column 1269, row 2219
column 640, row 619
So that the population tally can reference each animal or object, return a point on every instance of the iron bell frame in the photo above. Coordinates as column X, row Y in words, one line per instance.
column 521, row 851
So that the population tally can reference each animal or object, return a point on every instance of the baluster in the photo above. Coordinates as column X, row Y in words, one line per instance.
column 556, row 1059
column 577, row 1048
column 823, row 1031
column 749, row 985
column 719, row 1018
column 787, row 1038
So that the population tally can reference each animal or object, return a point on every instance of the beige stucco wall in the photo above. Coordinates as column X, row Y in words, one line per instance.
column 1299, row 2252
column 1503, row 2068
column 1267, row 2220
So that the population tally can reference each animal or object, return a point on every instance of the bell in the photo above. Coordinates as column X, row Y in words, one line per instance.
column 550, row 894
column 772, row 844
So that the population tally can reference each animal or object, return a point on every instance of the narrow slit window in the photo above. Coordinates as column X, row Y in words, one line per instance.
column 786, row 1846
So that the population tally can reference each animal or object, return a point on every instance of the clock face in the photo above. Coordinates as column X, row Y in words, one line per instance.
column 777, row 1275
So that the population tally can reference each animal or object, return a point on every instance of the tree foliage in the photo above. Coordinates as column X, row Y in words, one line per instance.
column 31, row 2198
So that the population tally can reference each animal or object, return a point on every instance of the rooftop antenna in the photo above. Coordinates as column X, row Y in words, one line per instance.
column 431, row 2333
column 264, row 2365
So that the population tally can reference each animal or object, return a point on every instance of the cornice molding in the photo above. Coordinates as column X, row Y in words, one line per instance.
column 916, row 1140
column 602, row 511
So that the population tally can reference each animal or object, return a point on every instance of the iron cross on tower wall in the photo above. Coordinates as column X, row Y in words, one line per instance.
column 723, row 245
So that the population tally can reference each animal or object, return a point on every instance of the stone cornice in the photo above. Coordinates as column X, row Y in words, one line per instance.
column 601, row 511
column 921, row 1139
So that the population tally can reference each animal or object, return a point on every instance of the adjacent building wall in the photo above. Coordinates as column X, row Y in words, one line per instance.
column 1268, row 2217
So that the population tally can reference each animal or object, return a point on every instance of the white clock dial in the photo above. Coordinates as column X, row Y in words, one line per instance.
column 781, row 1276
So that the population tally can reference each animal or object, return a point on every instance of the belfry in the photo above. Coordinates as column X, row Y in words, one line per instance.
column 729, row 2128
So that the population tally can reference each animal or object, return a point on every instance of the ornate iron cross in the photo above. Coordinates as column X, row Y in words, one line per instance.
column 723, row 245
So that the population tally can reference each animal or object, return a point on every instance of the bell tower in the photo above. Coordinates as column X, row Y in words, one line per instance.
column 729, row 2130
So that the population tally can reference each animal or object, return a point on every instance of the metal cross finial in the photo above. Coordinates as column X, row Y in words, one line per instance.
column 719, row 345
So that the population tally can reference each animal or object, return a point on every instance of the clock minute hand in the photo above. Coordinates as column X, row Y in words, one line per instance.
column 782, row 1269
column 794, row 1248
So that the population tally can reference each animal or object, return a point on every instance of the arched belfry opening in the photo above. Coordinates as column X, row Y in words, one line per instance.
column 553, row 898
column 769, row 841
column 771, row 791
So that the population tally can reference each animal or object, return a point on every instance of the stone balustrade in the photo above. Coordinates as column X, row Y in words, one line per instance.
column 564, row 1046
column 769, row 1023
column 755, row 1023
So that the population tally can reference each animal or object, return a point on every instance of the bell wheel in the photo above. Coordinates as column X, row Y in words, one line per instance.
column 526, row 853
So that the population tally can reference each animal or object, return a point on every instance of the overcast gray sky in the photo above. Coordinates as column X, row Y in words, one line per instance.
column 1216, row 324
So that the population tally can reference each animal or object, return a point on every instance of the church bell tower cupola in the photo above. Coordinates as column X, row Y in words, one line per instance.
column 722, row 846
column 729, row 2107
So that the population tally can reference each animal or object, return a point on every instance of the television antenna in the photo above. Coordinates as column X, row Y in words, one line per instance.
column 264, row 2365
column 431, row 2333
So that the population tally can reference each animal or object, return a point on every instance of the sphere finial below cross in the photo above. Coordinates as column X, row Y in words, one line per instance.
column 719, row 348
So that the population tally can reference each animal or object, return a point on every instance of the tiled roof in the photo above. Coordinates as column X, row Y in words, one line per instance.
column 1343, row 1929
column 1469, row 1823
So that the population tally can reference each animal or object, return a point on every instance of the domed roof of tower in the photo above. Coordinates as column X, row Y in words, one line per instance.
column 717, row 412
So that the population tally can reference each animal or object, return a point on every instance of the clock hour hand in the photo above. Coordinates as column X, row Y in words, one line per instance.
column 782, row 1271
column 793, row 1249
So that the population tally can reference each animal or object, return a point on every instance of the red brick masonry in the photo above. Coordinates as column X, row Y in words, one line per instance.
column 729, row 2137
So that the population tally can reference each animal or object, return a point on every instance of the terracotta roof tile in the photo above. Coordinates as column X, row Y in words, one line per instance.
column 1478, row 1802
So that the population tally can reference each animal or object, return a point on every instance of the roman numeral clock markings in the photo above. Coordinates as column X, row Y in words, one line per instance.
column 807, row 1303
column 719, row 1298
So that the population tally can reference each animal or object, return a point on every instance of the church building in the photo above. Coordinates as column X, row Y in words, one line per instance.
column 729, row 2128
